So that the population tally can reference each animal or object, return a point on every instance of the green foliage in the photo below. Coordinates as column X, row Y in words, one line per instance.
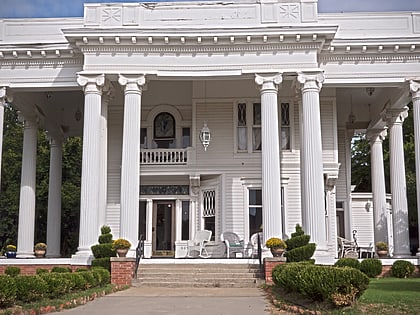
column 102, row 275
column 59, row 269
column 103, row 250
column 41, row 271
column 57, row 284
column 340, row 286
column 105, row 239
column 402, row 269
column 8, row 291
column 348, row 262
column 12, row 271
column 89, row 277
column 106, row 230
column 102, row 262
column 76, row 280
column 299, row 248
column 30, row 288
column 372, row 267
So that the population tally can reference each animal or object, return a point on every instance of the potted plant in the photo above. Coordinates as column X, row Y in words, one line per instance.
column 122, row 246
column 40, row 249
column 10, row 251
column 382, row 249
column 276, row 246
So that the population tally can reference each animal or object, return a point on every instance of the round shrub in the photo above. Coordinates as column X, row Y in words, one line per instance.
column 77, row 281
column 402, row 269
column 89, row 277
column 348, row 262
column 59, row 269
column 57, row 284
column 41, row 271
column 12, row 271
column 102, row 275
column 30, row 288
column 8, row 291
column 372, row 267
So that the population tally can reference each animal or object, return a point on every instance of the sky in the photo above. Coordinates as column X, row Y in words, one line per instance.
column 74, row 8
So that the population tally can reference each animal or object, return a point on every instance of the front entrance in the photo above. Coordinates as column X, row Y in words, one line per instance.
column 163, row 228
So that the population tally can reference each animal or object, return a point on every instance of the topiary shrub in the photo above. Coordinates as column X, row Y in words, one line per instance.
column 372, row 267
column 12, row 271
column 8, row 291
column 102, row 262
column 348, row 262
column 340, row 286
column 104, row 249
column 41, row 271
column 402, row 269
column 30, row 288
column 59, row 269
column 299, row 248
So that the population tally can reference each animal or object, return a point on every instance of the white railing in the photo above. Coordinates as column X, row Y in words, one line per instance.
column 163, row 156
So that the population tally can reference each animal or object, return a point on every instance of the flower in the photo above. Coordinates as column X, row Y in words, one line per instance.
column 275, row 242
column 381, row 246
column 10, row 248
column 121, row 243
column 40, row 246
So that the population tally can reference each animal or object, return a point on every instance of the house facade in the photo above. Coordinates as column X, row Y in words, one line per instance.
column 233, row 116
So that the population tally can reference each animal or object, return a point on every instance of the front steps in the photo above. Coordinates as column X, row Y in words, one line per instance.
column 199, row 274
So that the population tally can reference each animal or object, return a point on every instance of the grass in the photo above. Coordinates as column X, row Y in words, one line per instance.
column 385, row 296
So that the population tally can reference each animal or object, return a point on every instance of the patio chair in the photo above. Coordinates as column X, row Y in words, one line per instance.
column 234, row 244
column 253, row 244
column 346, row 248
column 197, row 244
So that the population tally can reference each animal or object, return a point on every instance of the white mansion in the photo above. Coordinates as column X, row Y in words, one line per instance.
column 226, row 116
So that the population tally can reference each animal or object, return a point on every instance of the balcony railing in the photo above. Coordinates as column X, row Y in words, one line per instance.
column 164, row 156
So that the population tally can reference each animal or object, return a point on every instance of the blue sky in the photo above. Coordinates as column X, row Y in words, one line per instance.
column 67, row 8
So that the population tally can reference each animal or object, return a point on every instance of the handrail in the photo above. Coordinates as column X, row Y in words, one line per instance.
column 259, row 253
column 139, row 254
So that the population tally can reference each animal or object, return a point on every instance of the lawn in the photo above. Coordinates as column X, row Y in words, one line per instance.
column 385, row 296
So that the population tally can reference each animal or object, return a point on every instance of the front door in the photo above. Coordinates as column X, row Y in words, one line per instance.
column 163, row 228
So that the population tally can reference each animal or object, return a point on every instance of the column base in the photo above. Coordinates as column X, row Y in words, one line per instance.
column 147, row 249
column 404, row 255
column 25, row 255
column 324, row 257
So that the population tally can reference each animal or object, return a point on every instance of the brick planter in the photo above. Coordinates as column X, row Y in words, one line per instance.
column 269, row 264
column 122, row 270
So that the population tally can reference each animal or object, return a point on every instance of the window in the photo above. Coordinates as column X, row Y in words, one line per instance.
column 285, row 127
column 143, row 138
column 255, row 210
column 185, row 220
column 209, row 211
column 164, row 130
column 248, row 127
column 186, row 137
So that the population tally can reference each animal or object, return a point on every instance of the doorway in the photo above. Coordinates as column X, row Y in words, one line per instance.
column 163, row 228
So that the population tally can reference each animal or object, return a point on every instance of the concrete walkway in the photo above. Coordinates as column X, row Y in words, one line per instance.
column 184, row 301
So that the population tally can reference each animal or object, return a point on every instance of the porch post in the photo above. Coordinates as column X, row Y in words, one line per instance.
column 312, row 181
column 89, row 200
column 26, row 228
column 270, row 155
column 376, row 136
column 395, row 119
column 149, row 229
column 130, row 168
column 415, row 94
column 54, row 198
column 3, row 100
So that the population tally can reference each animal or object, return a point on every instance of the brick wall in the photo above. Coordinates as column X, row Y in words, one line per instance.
column 269, row 264
column 26, row 269
column 122, row 270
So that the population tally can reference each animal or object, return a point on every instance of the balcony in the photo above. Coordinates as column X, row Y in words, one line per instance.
column 165, row 156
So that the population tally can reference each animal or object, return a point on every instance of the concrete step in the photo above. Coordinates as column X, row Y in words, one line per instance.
column 202, row 283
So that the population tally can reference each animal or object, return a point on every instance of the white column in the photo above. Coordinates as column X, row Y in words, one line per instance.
column 178, row 220
column 26, row 228
column 103, row 157
column 415, row 93
column 89, row 200
column 54, row 199
column 130, row 168
column 378, row 184
column 149, row 229
column 270, row 155
column 3, row 99
column 395, row 120
column 312, row 178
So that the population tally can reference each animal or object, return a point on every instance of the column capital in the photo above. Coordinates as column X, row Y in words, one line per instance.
column 374, row 135
column 311, row 80
column 5, row 96
column 415, row 89
column 91, row 83
column 132, row 82
column 269, row 81
column 396, row 116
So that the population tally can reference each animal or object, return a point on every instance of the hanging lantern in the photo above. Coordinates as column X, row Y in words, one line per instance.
column 205, row 136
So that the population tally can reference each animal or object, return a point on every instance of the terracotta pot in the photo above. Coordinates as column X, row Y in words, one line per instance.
column 277, row 252
column 122, row 252
column 382, row 253
column 39, row 253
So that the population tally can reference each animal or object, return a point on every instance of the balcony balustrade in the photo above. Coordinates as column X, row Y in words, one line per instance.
column 164, row 156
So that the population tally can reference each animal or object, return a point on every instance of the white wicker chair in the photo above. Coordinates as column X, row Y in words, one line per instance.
column 233, row 243
column 197, row 244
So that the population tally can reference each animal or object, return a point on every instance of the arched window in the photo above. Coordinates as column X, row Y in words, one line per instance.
column 164, row 130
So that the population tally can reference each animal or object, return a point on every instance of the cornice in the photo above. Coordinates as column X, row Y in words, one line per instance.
column 325, row 57
column 44, row 63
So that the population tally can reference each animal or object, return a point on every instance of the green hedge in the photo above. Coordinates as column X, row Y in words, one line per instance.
column 402, row 269
column 372, row 267
column 30, row 288
column 103, row 250
column 104, row 262
column 59, row 269
column 8, row 291
column 348, row 262
column 12, row 271
column 102, row 275
column 340, row 286
column 57, row 284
